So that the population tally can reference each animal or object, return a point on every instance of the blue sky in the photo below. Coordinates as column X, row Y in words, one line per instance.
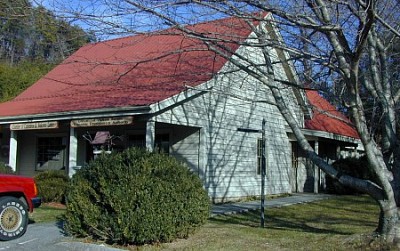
column 114, row 18
column 97, row 16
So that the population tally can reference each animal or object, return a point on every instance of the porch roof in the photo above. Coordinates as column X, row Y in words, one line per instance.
column 326, row 118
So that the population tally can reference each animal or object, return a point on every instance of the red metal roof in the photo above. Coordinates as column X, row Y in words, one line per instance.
column 132, row 71
column 326, row 118
column 146, row 69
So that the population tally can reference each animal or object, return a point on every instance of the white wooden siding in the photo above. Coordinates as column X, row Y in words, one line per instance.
column 204, row 132
column 186, row 147
column 229, row 102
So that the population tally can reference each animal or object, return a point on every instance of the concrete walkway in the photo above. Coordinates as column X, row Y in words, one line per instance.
column 240, row 207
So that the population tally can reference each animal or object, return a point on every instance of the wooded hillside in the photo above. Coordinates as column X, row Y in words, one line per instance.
column 32, row 41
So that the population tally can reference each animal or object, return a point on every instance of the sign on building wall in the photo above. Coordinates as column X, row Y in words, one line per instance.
column 34, row 125
column 115, row 121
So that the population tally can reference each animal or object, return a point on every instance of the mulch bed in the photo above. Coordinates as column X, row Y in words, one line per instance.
column 54, row 205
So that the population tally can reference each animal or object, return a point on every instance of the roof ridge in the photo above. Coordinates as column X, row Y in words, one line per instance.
column 161, row 31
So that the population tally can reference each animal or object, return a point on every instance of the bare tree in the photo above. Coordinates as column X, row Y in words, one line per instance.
column 343, row 44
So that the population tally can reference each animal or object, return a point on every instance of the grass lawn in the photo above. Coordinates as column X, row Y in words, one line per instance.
column 47, row 212
column 340, row 223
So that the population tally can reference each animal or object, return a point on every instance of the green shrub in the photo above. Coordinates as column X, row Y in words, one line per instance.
column 355, row 167
column 5, row 169
column 52, row 185
column 135, row 197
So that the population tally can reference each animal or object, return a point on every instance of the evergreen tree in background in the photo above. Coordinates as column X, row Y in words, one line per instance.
column 32, row 41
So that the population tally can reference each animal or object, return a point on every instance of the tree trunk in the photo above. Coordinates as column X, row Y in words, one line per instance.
column 389, row 222
column 396, row 174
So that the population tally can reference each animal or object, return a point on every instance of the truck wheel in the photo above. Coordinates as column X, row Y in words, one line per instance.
column 13, row 218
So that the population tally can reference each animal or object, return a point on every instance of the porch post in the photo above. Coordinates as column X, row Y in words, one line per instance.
column 73, row 151
column 316, row 169
column 12, row 161
column 202, row 162
column 150, row 135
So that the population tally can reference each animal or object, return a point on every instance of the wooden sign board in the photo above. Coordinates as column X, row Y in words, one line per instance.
column 115, row 121
column 34, row 126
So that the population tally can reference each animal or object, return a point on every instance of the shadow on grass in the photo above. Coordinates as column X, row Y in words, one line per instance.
column 252, row 219
column 364, row 204
column 335, row 216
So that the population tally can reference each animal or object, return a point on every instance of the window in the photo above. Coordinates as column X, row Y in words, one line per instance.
column 162, row 143
column 50, row 153
column 259, row 155
column 137, row 140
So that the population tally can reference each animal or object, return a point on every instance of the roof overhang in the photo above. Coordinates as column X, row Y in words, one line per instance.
column 331, row 136
column 83, row 114
column 314, row 134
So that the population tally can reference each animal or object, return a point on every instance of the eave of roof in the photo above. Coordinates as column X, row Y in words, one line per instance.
column 94, row 113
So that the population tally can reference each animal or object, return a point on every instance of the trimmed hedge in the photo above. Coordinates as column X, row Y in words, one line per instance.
column 135, row 197
column 52, row 185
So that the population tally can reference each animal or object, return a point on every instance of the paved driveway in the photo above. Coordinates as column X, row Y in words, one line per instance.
column 48, row 237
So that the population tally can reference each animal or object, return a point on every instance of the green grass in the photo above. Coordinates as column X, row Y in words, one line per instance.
column 47, row 213
column 340, row 223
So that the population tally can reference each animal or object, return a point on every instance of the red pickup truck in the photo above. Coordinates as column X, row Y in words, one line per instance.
column 18, row 196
